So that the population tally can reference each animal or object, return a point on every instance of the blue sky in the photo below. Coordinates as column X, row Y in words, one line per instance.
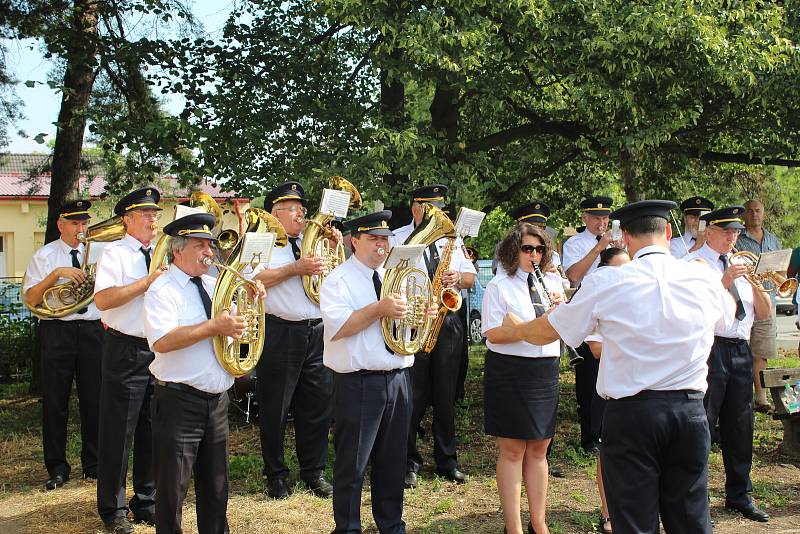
column 41, row 103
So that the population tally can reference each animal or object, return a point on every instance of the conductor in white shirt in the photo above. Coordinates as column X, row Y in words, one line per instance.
column 657, row 316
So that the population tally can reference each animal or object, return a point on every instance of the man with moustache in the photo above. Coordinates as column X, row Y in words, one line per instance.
column 122, row 277
column 71, row 347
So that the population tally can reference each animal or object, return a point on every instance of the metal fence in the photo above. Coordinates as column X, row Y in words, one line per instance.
column 17, row 331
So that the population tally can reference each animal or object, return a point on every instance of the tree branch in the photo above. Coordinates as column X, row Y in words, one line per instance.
column 364, row 60
column 330, row 32
column 567, row 129
column 727, row 157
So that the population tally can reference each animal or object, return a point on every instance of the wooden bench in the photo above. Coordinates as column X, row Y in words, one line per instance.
column 776, row 380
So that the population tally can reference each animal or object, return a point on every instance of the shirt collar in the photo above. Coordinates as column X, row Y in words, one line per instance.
column 364, row 269
column 133, row 243
column 650, row 249
column 66, row 248
column 178, row 275
column 522, row 275
column 710, row 253
column 587, row 234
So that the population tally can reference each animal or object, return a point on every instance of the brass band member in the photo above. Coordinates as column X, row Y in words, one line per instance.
column 190, row 404
column 521, row 380
column 121, row 280
column 70, row 347
column 434, row 376
column 372, row 389
column 729, row 399
column 657, row 316
column 290, row 370
column 691, row 239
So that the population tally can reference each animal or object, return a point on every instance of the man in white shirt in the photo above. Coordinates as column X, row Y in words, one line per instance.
column 372, row 388
column 122, row 277
column 70, row 346
column 657, row 316
column 729, row 399
column 692, row 239
column 190, row 404
column 290, row 371
column 435, row 375
column 581, row 254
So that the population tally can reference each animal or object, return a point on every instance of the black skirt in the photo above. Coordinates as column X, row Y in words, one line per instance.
column 520, row 396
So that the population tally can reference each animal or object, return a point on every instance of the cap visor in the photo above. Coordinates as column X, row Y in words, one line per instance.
column 380, row 231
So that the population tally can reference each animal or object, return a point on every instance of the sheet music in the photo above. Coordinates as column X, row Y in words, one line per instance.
column 468, row 222
column 775, row 261
column 257, row 247
column 183, row 211
column 399, row 254
column 335, row 202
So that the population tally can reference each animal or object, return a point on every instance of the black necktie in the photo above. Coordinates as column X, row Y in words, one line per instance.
column 597, row 237
column 295, row 247
column 376, row 283
column 733, row 291
column 77, row 265
column 432, row 260
column 146, row 252
column 198, row 282
column 536, row 299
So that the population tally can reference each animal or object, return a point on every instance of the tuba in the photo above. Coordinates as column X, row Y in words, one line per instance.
column 784, row 287
column 408, row 335
column 238, row 356
column 61, row 300
column 317, row 239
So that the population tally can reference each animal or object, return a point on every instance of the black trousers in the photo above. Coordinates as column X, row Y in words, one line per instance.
column 729, row 402
column 372, row 413
column 590, row 405
column 291, row 373
column 126, row 390
column 70, row 350
column 190, row 435
column 655, row 462
column 434, row 379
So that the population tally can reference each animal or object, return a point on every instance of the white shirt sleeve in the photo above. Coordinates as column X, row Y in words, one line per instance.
column 35, row 271
column 493, row 308
column 728, row 307
column 459, row 262
column 335, row 306
column 570, row 253
column 160, row 313
column 575, row 320
column 108, row 272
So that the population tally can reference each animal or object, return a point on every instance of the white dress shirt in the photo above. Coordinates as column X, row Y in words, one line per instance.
column 288, row 299
column 576, row 248
column 458, row 261
column 121, row 264
column 657, row 316
column 739, row 329
column 347, row 289
column 509, row 293
column 173, row 301
column 46, row 260
column 679, row 245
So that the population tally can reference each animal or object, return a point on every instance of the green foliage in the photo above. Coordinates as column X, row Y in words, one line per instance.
column 17, row 336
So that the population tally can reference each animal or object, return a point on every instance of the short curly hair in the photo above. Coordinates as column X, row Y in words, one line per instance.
column 508, row 250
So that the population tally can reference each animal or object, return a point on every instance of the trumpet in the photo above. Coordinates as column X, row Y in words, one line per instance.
column 784, row 287
column 574, row 357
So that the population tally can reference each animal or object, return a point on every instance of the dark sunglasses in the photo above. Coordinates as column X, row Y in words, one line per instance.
column 528, row 249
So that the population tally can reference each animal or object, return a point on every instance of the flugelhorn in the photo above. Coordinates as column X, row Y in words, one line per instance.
column 784, row 287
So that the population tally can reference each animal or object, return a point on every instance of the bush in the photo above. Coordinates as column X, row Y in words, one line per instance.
column 17, row 340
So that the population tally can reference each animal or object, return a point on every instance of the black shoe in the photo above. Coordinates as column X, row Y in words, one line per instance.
column 411, row 479
column 320, row 487
column 591, row 448
column 277, row 488
column 55, row 482
column 147, row 518
column 749, row 510
column 119, row 525
column 555, row 471
column 453, row 475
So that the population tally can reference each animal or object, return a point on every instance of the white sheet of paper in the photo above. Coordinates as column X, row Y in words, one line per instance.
column 468, row 222
column 183, row 211
column 95, row 250
column 400, row 253
column 335, row 202
column 775, row 261
column 257, row 247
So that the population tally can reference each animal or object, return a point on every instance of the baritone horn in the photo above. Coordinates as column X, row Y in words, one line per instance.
column 318, row 239
column 784, row 287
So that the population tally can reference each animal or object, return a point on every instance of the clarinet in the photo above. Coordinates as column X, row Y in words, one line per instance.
column 574, row 357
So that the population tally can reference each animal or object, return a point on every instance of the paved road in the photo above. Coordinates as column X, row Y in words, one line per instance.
column 788, row 334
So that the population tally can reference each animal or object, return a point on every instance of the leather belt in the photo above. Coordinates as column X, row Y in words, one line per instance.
column 123, row 335
column 304, row 322
column 681, row 394
column 730, row 340
column 186, row 388
column 379, row 372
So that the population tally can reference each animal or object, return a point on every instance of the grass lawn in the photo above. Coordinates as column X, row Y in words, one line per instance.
column 436, row 506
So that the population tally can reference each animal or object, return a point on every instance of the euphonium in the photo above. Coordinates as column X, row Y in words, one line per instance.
column 317, row 239
column 784, row 287
column 69, row 297
column 232, row 290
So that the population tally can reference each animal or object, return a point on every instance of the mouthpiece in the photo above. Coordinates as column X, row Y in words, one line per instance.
column 382, row 251
column 154, row 226
column 81, row 237
column 207, row 261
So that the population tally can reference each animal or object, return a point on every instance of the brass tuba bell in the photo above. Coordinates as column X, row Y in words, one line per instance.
column 317, row 239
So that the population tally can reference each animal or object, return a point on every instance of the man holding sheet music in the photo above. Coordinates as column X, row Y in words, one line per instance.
column 290, row 371
column 434, row 377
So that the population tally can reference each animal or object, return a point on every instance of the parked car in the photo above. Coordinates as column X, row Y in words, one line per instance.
column 475, row 301
column 786, row 305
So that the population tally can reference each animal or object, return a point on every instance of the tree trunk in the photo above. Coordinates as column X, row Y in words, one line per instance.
column 631, row 183
column 78, row 81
